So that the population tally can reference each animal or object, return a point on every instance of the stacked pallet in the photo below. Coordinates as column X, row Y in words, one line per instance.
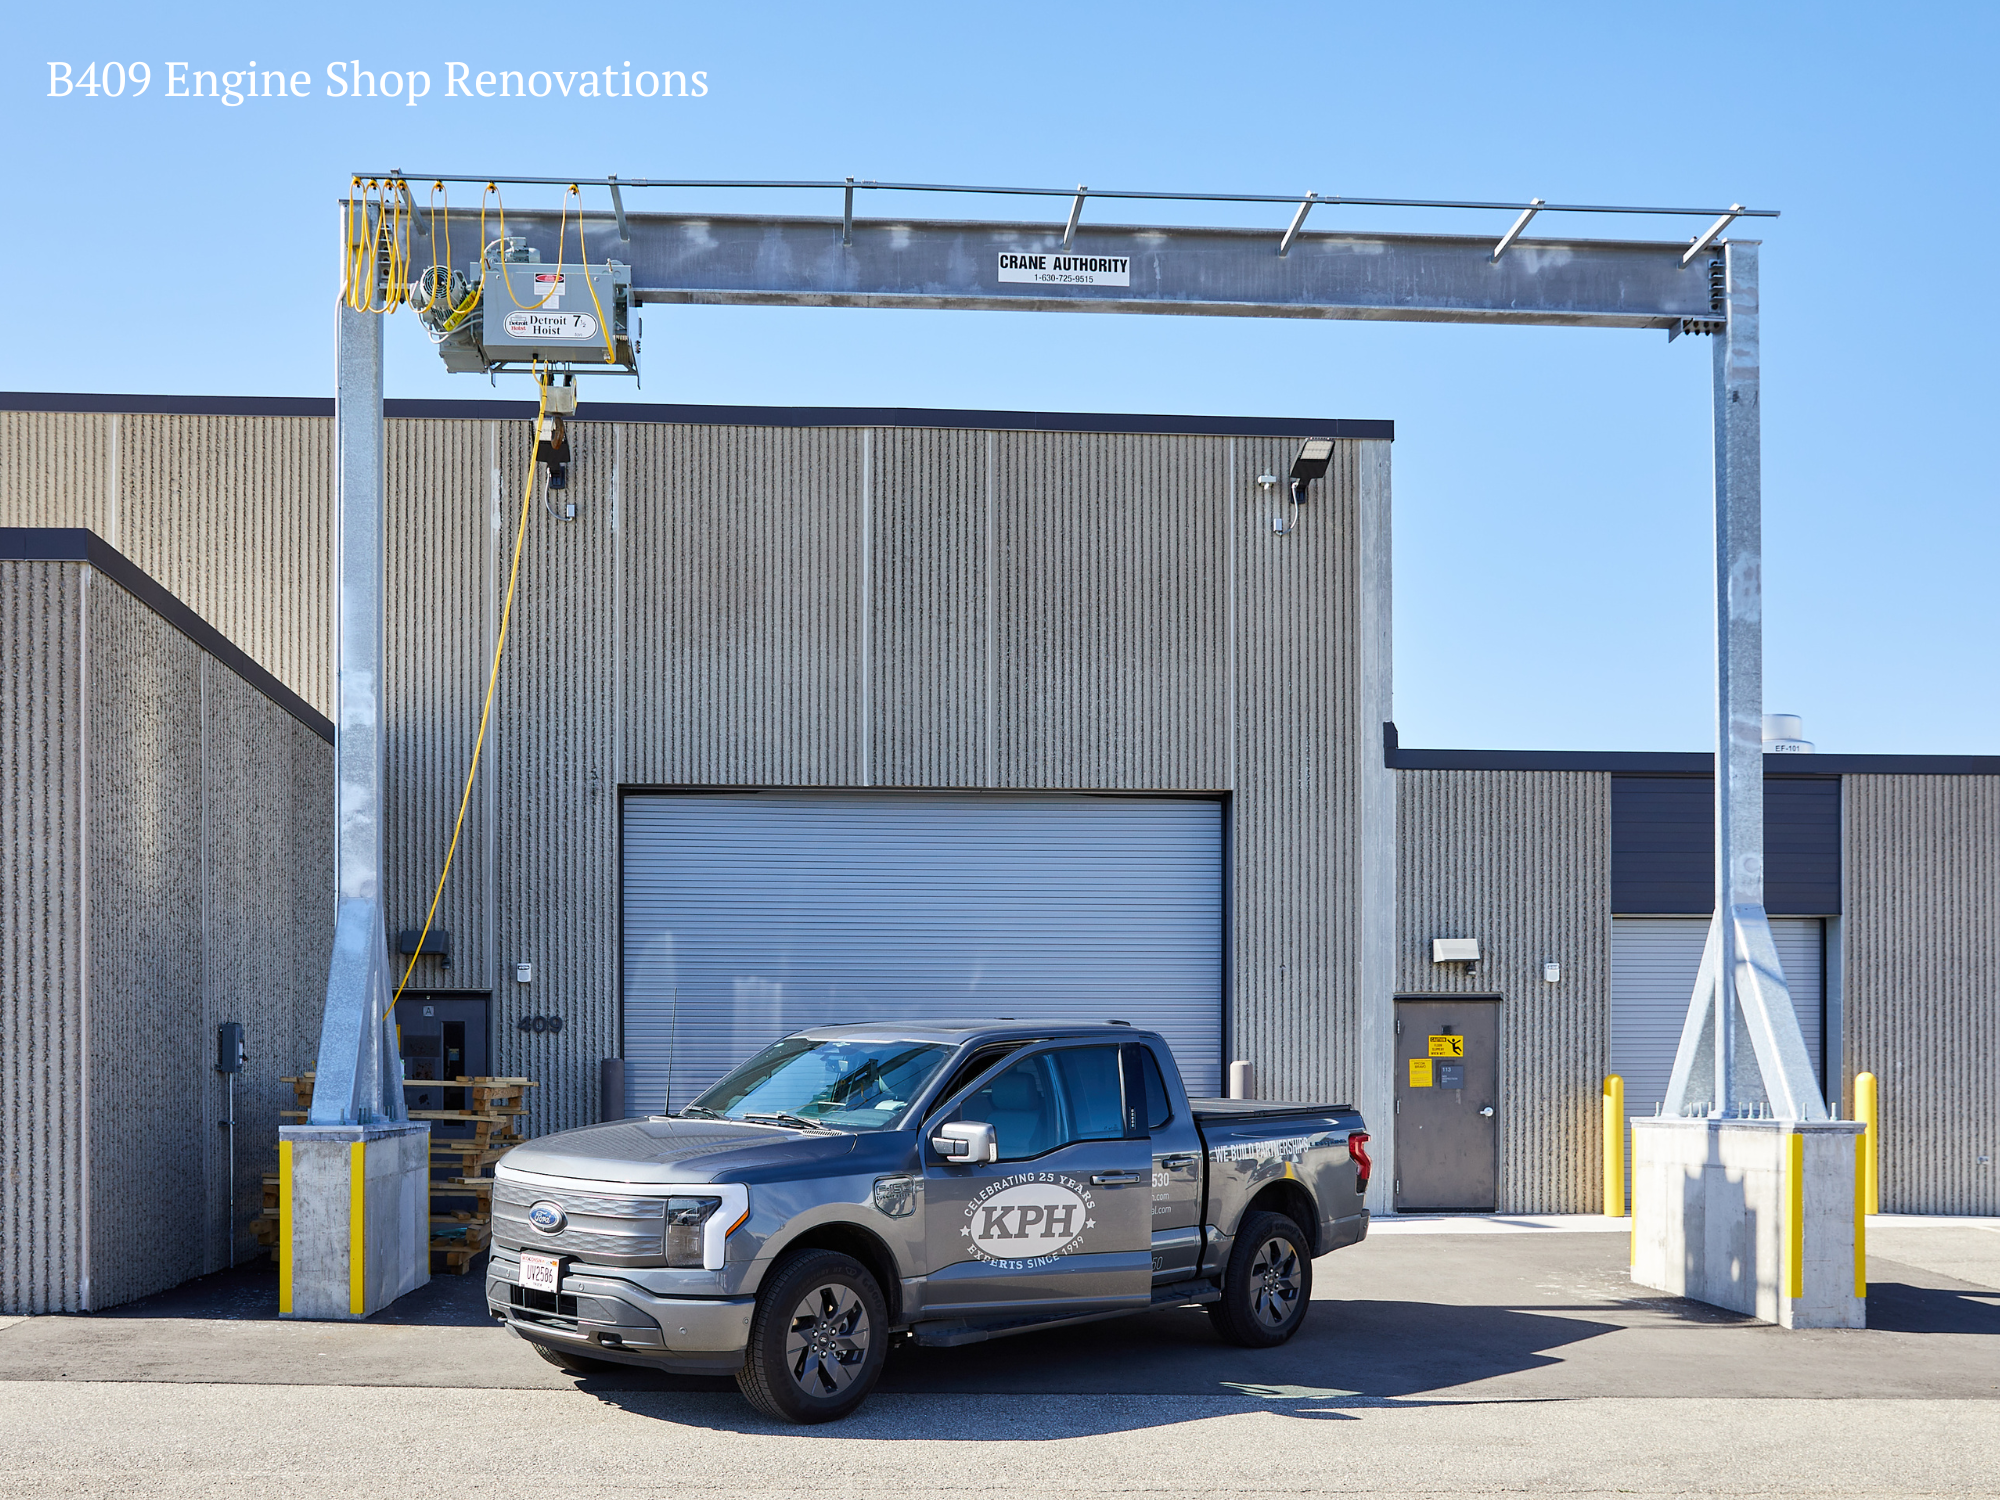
column 462, row 1157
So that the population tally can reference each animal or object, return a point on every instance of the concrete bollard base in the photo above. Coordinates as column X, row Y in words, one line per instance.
column 1758, row 1216
column 354, row 1217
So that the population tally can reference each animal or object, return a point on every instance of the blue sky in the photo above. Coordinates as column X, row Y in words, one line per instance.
column 1552, row 486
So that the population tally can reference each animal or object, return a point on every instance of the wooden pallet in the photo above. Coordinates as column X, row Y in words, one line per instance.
column 457, row 1236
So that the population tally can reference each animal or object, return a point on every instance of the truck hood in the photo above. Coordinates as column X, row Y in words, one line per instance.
column 670, row 1150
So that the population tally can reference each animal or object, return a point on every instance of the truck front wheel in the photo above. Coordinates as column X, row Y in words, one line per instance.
column 1268, row 1284
column 817, row 1340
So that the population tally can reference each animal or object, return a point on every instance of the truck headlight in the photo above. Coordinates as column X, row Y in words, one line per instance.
column 685, row 1220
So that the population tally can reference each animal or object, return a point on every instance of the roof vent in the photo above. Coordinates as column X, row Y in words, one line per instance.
column 1785, row 734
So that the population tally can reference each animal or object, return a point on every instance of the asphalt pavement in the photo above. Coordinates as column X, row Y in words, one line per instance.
column 1440, row 1358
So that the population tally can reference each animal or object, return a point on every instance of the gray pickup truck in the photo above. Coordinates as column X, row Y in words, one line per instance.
column 853, row 1186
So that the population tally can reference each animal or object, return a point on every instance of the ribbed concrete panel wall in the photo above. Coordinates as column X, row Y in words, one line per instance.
column 148, row 1160
column 555, row 784
column 744, row 639
column 1520, row 860
column 441, row 612
column 235, row 517
column 257, row 848
column 1922, row 941
column 932, row 547
column 162, row 822
column 42, row 990
column 60, row 469
column 1113, row 599
column 1295, row 762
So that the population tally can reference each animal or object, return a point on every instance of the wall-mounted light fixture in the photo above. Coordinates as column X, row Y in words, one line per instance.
column 1552, row 972
column 1315, row 454
column 1456, row 951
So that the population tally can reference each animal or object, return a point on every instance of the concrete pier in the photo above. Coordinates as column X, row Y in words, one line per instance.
column 1758, row 1216
column 354, row 1217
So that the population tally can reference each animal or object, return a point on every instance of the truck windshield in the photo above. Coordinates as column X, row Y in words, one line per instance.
column 845, row 1085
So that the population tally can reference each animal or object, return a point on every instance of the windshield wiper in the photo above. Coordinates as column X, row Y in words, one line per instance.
column 799, row 1121
column 703, row 1111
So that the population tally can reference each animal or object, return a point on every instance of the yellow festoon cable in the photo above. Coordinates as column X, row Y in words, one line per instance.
column 492, row 679
column 582, row 249
column 562, row 235
column 388, row 226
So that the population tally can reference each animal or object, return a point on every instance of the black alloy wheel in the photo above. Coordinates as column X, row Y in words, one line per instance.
column 817, row 1341
column 1268, row 1285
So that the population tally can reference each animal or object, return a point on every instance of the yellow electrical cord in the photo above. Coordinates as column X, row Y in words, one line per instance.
column 492, row 679
column 562, row 235
column 610, row 349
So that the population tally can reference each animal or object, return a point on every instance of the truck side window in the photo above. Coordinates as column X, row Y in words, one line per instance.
column 1051, row 1099
column 976, row 1064
column 1159, row 1107
column 1021, row 1107
column 1092, row 1092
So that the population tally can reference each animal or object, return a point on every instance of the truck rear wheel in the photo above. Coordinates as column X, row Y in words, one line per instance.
column 1268, row 1284
column 817, row 1340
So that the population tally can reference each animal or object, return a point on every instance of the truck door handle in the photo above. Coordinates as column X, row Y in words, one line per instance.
column 1488, row 1111
column 1183, row 1159
column 1112, row 1179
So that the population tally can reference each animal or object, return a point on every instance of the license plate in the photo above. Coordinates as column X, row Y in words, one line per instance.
column 539, row 1273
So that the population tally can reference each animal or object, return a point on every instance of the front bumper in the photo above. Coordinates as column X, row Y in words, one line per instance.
column 596, row 1313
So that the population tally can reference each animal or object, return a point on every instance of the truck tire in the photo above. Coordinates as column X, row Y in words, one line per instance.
column 817, row 1340
column 576, row 1364
column 1268, row 1284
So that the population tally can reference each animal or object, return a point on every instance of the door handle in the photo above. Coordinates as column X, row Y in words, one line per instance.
column 1488, row 1111
column 1112, row 1179
column 1180, row 1159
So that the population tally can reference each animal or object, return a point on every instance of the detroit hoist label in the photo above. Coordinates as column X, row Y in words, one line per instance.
column 1047, row 269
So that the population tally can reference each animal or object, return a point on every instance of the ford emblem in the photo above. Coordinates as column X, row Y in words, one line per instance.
column 548, row 1217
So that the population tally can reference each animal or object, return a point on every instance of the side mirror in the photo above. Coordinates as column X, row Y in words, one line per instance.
column 965, row 1142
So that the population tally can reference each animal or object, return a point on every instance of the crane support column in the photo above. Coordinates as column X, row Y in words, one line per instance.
column 1742, row 1189
column 354, row 1198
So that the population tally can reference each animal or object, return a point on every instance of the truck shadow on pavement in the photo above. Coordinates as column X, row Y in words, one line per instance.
column 1347, row 1352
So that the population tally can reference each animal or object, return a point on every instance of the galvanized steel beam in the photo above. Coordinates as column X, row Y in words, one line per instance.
column 832, row 262
column 1741, row 987
column 359, row 1078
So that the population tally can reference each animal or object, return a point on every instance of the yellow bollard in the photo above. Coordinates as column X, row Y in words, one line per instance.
column 1867, row 1109
column 1614, row 1146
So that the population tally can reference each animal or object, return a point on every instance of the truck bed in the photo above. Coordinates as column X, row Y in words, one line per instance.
column 1246, row 1111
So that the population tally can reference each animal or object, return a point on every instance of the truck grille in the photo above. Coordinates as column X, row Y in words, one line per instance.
column 600, row 1227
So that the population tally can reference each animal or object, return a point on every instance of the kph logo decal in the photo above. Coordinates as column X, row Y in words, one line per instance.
column 1029, row 1220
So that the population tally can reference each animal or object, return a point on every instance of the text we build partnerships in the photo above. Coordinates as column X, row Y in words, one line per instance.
column 349, row 80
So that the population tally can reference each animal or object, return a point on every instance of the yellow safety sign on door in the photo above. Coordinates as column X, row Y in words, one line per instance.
column 1447, row 1046
column 1420, row 1072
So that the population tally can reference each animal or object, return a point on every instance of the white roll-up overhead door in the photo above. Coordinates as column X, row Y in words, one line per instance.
column 1654, row 961
column 751, row 915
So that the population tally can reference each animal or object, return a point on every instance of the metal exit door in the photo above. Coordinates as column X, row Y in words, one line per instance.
column 442, row 1036
column 1447, row 1105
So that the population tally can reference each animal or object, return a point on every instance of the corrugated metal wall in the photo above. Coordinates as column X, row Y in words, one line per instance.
column 1922, row 983
column 41, row 937
column 165, row 819
column 1520, row 860
column 817, row 607
column 233, row 516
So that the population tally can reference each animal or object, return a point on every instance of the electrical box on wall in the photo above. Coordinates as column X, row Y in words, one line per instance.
column 526, row 312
